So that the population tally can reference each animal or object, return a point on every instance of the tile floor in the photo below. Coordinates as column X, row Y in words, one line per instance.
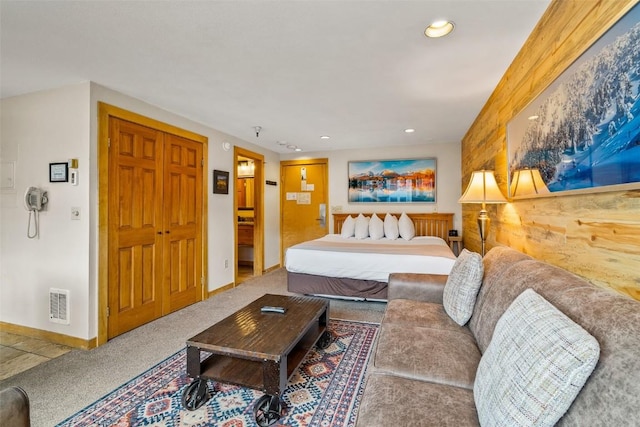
column 19, row 353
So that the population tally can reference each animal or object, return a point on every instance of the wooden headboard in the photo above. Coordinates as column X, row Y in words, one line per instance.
column 427, row 224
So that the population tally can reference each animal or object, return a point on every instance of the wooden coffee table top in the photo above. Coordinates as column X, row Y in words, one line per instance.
column 251, row 334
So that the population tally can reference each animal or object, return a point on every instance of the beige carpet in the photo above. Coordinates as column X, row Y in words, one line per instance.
column 61, row 387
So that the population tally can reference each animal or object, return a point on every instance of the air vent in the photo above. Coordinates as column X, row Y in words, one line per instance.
column 59, row 306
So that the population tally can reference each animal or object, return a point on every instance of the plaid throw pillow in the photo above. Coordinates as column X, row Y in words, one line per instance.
column 535, row 366
column 462, row 286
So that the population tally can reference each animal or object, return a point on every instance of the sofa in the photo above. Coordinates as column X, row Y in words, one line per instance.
column 14, row 407
column 428, row 370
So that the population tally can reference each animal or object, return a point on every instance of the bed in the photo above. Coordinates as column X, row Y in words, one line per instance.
column 359, row 268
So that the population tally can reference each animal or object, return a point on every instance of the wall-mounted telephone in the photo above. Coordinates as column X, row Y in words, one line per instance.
column 34, row 201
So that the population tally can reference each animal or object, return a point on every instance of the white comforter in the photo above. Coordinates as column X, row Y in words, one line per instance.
column 367, row 259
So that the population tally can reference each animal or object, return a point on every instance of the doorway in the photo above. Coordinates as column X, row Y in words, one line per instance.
column 304, row 198
column 152, row 210
column 248, row 207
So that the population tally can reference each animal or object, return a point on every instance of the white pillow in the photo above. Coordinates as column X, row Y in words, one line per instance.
column 391, row 227
column 348, row 227
column 535, row 366
column 462, row 286
column 362, row 227
column 406, row 227
column 376, row 228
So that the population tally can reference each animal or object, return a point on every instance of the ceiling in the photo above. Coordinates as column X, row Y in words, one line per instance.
column 358, row 71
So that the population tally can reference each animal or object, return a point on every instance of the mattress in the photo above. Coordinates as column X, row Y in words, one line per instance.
column 367, row 259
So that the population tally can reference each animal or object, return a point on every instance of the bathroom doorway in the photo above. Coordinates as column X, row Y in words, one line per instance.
column 248, row 205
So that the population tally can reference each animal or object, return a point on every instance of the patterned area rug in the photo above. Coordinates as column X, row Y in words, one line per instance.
column 324, row 391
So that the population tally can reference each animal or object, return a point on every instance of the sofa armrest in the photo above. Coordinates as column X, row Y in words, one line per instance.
column 417, row 286
column 14, row 407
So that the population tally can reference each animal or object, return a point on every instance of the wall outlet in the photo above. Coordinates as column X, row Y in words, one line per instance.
column 226, row 263
column 75, row 213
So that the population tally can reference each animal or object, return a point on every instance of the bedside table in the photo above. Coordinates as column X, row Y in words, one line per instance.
column 456, row 244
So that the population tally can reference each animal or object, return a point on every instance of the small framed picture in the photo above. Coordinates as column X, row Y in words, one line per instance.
column 220, row 182
column 59, row 172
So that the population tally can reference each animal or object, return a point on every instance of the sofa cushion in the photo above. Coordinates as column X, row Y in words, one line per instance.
column 396, row 401
column 536, row 364
column 417, row 313
column 496, row 262
column 428, row 354
column 462, row 286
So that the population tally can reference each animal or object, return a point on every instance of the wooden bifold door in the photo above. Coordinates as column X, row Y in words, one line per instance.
column 155, row 224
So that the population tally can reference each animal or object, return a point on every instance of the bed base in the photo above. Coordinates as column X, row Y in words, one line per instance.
column 337, row 287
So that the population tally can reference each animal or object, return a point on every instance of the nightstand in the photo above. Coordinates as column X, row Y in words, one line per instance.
column 456, row 244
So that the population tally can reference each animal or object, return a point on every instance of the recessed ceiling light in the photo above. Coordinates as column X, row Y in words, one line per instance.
column 325, row 137
column 282, row 142
column 291, row 146
column 409, row 130
column 439, row 29
column 534, row 117
column 298, row 149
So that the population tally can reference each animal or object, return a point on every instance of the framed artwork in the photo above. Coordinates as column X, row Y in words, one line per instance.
column 393, row 181
column 59, row 172
column 583, row 132
column 220, row 182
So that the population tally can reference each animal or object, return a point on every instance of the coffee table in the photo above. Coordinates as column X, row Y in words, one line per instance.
column 258, row 350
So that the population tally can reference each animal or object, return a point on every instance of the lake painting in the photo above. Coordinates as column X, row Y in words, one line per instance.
column 584, row 130
column 393, row 181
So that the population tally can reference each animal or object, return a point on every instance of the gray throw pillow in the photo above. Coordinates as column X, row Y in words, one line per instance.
column 462, row 286
column 535, row 366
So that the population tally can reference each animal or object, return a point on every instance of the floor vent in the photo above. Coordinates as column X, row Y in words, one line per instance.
column 59, row 306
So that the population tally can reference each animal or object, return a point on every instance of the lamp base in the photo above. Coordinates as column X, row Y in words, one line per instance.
column 483, row 226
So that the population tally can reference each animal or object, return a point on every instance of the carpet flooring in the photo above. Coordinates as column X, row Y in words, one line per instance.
column 65, row 385
column 324, row 391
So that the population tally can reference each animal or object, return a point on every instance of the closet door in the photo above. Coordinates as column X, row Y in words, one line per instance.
column 155, row 224
column 135, row 225
column 182, row 223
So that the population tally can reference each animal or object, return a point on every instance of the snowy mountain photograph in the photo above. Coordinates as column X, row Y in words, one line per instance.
column 584, row 130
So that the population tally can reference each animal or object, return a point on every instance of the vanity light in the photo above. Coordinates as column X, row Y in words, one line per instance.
column 439, row 29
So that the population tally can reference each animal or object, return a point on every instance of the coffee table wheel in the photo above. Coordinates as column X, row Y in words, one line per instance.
column 324, row 340
column 267, row 410
column 195, row 395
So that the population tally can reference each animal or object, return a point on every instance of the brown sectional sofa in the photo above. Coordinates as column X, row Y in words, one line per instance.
column 423, row 369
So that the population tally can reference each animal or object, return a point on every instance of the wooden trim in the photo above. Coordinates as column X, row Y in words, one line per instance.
column 105, row 111
column 220, row 289
column 272, row 268
column 53, row 337
column 427, row 224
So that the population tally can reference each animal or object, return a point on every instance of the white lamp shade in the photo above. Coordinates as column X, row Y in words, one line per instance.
column 527, row 182
column 482, row 189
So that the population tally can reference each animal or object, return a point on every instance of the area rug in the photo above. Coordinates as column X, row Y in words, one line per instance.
column 324, row 391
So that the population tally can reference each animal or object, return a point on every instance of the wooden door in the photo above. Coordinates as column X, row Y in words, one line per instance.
column 304, row 201
column 135, row 226
column 155, row 225
column 182, row 223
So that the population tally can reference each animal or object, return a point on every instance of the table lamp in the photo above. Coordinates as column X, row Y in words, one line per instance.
column 527, row 182
column 483, row 189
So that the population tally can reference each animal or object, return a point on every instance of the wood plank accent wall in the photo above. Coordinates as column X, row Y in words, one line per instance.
column 596, row 236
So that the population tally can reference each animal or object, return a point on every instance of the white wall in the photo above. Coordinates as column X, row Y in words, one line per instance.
column 38, row 129
column 54, row 126
column 448, row 177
